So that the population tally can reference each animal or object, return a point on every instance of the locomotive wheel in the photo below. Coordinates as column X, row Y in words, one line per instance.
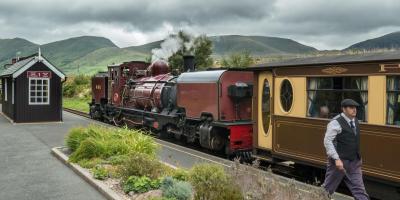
column 217, row 143
column 227, row 150
column 118, row 120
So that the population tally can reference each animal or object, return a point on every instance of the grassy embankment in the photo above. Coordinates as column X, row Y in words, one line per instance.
column 77, row 93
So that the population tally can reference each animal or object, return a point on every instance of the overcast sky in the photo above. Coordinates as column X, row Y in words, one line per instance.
column 324, row 24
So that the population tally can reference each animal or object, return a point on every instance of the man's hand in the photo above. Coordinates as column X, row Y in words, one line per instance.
column 339, row 164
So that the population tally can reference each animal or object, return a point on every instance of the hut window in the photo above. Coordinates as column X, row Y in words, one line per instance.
column 266, row 106
column 325, row 94
column 39, row 91
column 286, row 95
column 393, row 100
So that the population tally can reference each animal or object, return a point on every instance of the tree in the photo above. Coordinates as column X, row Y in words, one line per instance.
column 200, row 47
column 202, row 52
column 236, row 60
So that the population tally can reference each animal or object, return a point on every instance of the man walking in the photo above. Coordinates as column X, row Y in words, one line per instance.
column 342, row 143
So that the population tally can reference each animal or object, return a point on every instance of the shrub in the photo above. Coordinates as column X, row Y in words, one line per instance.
column 105, row 143
column 100, row 172
column 181, row 174
column 88, row 149
column 69, row 89
column 167, row 182
column 113, row 171
column 259, row 185
column 75, row 137
column 81, row 79
column 118, row 159
column 77, row 86
column 179, row 190
column 140, row 184
column 211, row 182
column 161, row 198
column 140, row 164
column 90, row 163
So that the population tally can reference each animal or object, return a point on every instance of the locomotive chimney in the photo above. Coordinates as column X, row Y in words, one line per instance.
column 188, row 63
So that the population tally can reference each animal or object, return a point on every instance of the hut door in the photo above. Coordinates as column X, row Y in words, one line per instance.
column 264, row 110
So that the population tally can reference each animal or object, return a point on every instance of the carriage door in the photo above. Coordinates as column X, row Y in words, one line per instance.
column 265, row 88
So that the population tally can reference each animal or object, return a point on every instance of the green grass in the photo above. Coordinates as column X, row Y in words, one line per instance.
column 76, row 104
column 99, row 59
column 102, row 142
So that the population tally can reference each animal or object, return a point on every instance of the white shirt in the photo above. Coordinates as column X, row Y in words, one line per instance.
column 332, row 130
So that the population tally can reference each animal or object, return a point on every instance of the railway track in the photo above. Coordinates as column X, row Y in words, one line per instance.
column 80, row 113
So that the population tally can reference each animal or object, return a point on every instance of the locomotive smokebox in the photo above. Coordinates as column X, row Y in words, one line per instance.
column 188, row 63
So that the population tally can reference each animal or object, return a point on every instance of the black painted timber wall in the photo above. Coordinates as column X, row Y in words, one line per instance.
column 37, row 113
column 7, row 106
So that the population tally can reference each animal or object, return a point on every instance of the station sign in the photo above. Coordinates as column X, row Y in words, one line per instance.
column 39, row 74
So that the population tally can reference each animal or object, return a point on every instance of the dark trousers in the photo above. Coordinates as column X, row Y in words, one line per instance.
column 352, row 178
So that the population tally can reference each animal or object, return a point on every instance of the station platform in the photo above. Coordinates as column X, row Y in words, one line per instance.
column 29, row 166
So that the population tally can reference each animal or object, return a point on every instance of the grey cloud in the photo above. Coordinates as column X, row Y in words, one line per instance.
column 325, row 24
column 142, row 14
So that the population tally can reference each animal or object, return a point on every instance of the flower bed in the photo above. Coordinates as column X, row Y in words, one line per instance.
column 126, row 161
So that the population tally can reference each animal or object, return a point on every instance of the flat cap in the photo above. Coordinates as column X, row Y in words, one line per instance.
column 349, row 102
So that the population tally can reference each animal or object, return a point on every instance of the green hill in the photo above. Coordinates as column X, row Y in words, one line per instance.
column 388, row 41
column 60, row 53
column 146, row 48
column 88, row 54
column 66, row 51
column 99, row 59
column 10, row 47
column 257, row 45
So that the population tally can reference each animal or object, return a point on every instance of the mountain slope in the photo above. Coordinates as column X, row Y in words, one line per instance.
column 388, row 41
column 146, row 48
column 89, row 53
column 10, row 47
column 100, row 58
column 66, row 51
column 257, row 45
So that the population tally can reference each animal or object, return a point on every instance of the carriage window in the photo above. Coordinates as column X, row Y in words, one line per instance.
column 393, row 100
column 266, row 105
column 39, row 91
column 326, row 93
column 286, row 95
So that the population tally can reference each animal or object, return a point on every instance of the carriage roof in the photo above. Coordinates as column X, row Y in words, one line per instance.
column 385, row 56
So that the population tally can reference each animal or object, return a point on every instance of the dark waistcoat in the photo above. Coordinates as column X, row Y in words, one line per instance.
column 348, row 143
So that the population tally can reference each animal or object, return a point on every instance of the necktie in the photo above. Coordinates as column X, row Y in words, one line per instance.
column 352, row 126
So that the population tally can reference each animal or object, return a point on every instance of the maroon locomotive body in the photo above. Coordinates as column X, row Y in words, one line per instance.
column 100, row 87
column 206, row 95
column 212, row 108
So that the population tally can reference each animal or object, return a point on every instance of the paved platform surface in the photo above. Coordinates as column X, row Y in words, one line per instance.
column 29, row 171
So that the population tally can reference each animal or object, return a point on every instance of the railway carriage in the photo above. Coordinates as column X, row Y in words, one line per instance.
column 294, row 100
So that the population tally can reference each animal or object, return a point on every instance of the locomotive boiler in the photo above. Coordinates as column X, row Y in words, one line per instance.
column 212, row 108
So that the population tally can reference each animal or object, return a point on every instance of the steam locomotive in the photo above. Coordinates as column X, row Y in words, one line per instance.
column 211, row 108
